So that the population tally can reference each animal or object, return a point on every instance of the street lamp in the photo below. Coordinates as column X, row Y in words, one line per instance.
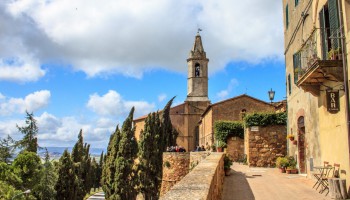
column 271, row 95
column 25, row 192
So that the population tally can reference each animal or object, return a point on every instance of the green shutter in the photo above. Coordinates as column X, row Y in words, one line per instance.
column 296, row 65
column 324, row 35
column 334, row 23
column 296, row 2
column 287, row 17
column 289, row 85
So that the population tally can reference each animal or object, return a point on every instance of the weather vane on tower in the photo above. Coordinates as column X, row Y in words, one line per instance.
column 199, row 29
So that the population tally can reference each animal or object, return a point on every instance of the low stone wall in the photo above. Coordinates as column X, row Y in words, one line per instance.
column 175, row 167
column 205, row 181
column 196, row 157
column 265, row 144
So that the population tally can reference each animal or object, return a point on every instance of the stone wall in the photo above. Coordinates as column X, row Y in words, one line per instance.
column 196, row 157
column 175, row 167
column 205, row 181
column 235, row 148
column 265, row 144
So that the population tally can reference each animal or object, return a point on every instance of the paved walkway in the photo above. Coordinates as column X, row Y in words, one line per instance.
column 97, row 196
column 246, row 183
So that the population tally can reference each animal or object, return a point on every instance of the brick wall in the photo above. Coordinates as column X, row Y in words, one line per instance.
column 265, row 144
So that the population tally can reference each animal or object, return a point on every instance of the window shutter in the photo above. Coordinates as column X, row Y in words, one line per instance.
column 296, row 65
column 334, row 23
column 289, row 85
column 287, row 17
column 324, row 36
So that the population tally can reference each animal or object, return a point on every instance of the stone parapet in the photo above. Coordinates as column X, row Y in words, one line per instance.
column 196, row 157
column 205, row 181
column 175, row 167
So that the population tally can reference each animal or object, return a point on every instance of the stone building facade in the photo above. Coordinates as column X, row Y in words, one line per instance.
column 317, row 82
column 233, row 109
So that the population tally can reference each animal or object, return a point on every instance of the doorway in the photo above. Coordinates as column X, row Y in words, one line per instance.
column 301, row 145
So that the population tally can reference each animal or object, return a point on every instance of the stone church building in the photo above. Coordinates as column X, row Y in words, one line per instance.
column 194, row 119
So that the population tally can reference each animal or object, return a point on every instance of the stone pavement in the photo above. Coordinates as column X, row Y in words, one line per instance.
column 97, row 196
column 246, row 183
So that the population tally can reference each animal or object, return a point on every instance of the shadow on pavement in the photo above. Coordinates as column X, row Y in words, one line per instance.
column 236, row 187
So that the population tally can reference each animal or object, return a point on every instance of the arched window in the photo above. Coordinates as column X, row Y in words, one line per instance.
column 197, row 70
column 243, row 113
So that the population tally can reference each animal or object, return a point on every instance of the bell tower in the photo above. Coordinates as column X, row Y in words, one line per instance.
column 197, row 79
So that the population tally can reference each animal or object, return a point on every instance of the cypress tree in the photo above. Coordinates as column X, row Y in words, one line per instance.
column 46, row 189
column 66, row 178
column 169, row 134
column 108, row 170
column 7, row 148
column 125, row 179
column 148, row 168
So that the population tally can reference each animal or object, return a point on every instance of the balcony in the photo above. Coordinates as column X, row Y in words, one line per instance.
column 311, row 71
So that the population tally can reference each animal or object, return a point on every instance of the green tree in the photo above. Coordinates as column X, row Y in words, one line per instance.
column 149, row 168
column 169, row 134
column 7, row 148
column 29, row 141
column 46, row 188
column 82, row 163
column 125, row 180
column 66, row 182
column 27, row 166
column 8, row 176
column 8, row 192
column 108, row 170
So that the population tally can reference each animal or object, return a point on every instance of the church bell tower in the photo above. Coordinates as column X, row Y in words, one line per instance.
column 197, row 81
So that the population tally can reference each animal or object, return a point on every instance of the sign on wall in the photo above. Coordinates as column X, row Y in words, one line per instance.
column 332, row 101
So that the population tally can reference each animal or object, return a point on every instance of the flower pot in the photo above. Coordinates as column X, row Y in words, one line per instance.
column 295, row 142
column 282, row 170
column 291, row 138
column 219, row 149
column 288, row 171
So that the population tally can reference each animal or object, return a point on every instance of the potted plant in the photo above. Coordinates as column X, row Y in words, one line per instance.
column 220, row 145
column 291, row 168
column 227, row 164
column 333, row 54
column 282, row 163
column 290, row 137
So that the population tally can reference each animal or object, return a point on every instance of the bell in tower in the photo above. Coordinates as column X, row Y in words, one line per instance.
column 197, row 81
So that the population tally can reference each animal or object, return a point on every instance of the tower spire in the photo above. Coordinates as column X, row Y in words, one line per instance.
column 197, row 81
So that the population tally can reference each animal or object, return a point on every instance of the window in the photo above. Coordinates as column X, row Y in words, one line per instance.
column 296, row 2
column 289, row 85
column 329, row 24
column 243, row 113
column 287, row 17
column 296, row 66
column 197, row 70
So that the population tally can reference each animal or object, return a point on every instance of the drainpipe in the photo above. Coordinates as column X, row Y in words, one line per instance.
column 345, row 71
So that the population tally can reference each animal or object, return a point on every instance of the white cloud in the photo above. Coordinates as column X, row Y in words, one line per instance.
column 55, row 131
column 112, row 104
column 31, row 103
column 129, row 37
column 18, row 70
column 162, row 97
column 223, row 94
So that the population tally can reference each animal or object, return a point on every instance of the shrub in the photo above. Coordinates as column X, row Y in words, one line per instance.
column 223, row 129
column 265, row 119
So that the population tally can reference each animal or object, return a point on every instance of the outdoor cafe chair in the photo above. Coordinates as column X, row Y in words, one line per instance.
column 325, row 184
column 318, row 175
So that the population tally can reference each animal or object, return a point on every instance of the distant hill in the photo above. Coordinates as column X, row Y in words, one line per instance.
column 56, row 152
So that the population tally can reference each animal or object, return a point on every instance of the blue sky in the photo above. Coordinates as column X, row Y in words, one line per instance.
column 83, row 65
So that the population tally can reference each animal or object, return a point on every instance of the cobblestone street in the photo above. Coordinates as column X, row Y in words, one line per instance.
column 246, row 183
